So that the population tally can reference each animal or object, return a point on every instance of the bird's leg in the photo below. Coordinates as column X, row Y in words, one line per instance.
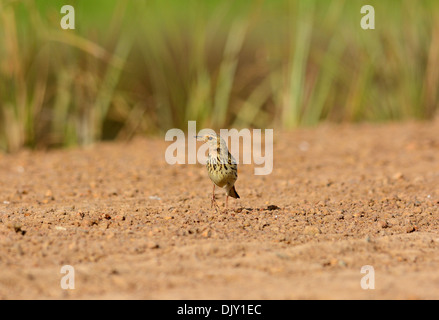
column 213, row 197
column 227, row 200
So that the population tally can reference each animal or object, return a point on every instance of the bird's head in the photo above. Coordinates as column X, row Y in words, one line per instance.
column 217, row 146
column 211, row 139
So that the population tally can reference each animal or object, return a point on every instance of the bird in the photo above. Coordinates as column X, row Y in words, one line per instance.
column 222, row 168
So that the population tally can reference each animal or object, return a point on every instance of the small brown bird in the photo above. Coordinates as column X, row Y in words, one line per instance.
column 221, row 166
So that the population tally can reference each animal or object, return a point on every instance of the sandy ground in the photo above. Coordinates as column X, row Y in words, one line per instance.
column 132, row 226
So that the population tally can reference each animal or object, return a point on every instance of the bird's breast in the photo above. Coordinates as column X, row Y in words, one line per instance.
column 221, row 173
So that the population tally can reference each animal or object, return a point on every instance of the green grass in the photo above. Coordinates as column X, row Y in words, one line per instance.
column 143, row 67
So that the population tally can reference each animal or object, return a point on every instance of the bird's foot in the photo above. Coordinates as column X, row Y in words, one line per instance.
column 214, row 204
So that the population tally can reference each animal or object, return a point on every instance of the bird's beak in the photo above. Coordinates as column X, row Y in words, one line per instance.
column 198, row 137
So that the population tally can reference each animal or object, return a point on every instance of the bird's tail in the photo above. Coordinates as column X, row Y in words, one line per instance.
column 233, row 193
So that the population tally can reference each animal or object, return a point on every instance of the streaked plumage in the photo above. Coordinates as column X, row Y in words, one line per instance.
column 221, row 166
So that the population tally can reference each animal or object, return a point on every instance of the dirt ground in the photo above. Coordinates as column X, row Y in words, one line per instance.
column 134, row 227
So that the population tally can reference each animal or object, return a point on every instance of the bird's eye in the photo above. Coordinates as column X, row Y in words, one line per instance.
column 210, row 138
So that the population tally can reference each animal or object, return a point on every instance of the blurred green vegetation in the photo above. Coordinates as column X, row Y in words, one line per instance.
column 143, row 67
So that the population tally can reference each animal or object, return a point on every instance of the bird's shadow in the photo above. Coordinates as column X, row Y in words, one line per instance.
column 271, row 207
